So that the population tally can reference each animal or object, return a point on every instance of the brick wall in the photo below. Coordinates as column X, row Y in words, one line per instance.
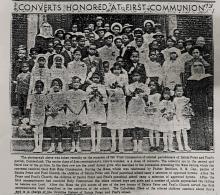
column 195, row 26
column 19, row 31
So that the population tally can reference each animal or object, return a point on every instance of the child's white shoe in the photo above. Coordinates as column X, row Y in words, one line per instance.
column 165, row 148
column 97, row 149
column 73, row 148
column 59, row 148
column 52, row 148
column 139, row 148
column 93, row 149
column 36, row 149
column 78, row 149
column 180, row 148
column 40, row 150
column 187, row 148
column 135, row 149
column 171, row 149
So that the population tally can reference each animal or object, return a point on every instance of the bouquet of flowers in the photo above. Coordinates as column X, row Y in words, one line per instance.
column 150, row 109
column 76, row 125
column 137, row 91
column 114, row 85
column 187, row 109
column 95, row 94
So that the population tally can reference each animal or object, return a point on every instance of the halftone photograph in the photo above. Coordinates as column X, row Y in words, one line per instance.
column 111, row 83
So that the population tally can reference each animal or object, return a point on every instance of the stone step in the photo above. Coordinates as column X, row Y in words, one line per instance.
column 27, row 144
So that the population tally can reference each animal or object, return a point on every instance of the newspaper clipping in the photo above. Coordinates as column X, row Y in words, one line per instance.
column 112, row 97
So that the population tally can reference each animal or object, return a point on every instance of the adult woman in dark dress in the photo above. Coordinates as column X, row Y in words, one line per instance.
column 199, row 88
column 44, row 37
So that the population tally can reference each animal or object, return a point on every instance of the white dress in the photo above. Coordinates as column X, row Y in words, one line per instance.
column 154, row 70
column 153, row 113
column 76, row 68
column 76, row 100
column 136, row 114
column 181, row 122
column 116, row 115
column 166, row 107
column 171, row 73
column 96, row 106
column 56, row 101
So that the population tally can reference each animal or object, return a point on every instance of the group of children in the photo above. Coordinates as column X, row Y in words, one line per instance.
column 127, row 81
column 56, row 101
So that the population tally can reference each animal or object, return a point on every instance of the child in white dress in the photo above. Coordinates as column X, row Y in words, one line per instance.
column 56, row 102
column 136, row 114
column 37, row 105
column 116, row 114
column 41, row 72
column 152, row 115
column 182, row 117
column 76, row 112
column 97, row 98
column 58, row 71
column 166, row 115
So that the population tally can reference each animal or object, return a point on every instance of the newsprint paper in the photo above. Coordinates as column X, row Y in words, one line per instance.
column 109, row 97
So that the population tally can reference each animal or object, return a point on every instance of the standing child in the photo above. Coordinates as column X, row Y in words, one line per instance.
column 166, row 113
column 76, row 117
column 22, row 87
column 55, row 113
column 37, row 106
column 116, row 114
column 136, row 115
column 152, row 114
column 40, row 72
column 97, row 98
column 182, row 118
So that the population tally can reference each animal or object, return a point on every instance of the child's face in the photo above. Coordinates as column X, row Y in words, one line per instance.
column 92, row 50
column 91, row 38
column 148, row 26
column 77, row 55
column 135, row 57
column 152, row 86
column 188, row 46
column 22, row 54
column 117, row 70
column 125, row 39
column 107, row 27
column 86, row 32
column 118, row 43
column 136, row 77
column 33, row 55
column 38, row 88
column 101, row 33
column 82, row 42
column 196, row 53
column 95, row 79
column 58, row 49
column 155, row 45
column 109, row 40
column 74, row 28
column 76, row 83
column 50, row 47
column 128, row 30
column 106, row 67
column 74, row 42
column 56, row 86
column 170, row 43
column 116, row 30
column 25, row 68
column 91, row 27
column 60, row 34
column 173, row 56
column 58, row 62
column 153, row 56
column 67, row 36
column 120, row 61
column 179, row 92
column 41, row 62
column 139, row 42
column 166, row 96
column 68, row 46
column 180, row 44
column 99, row 23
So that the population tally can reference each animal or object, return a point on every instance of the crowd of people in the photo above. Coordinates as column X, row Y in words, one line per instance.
column 115, row 74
